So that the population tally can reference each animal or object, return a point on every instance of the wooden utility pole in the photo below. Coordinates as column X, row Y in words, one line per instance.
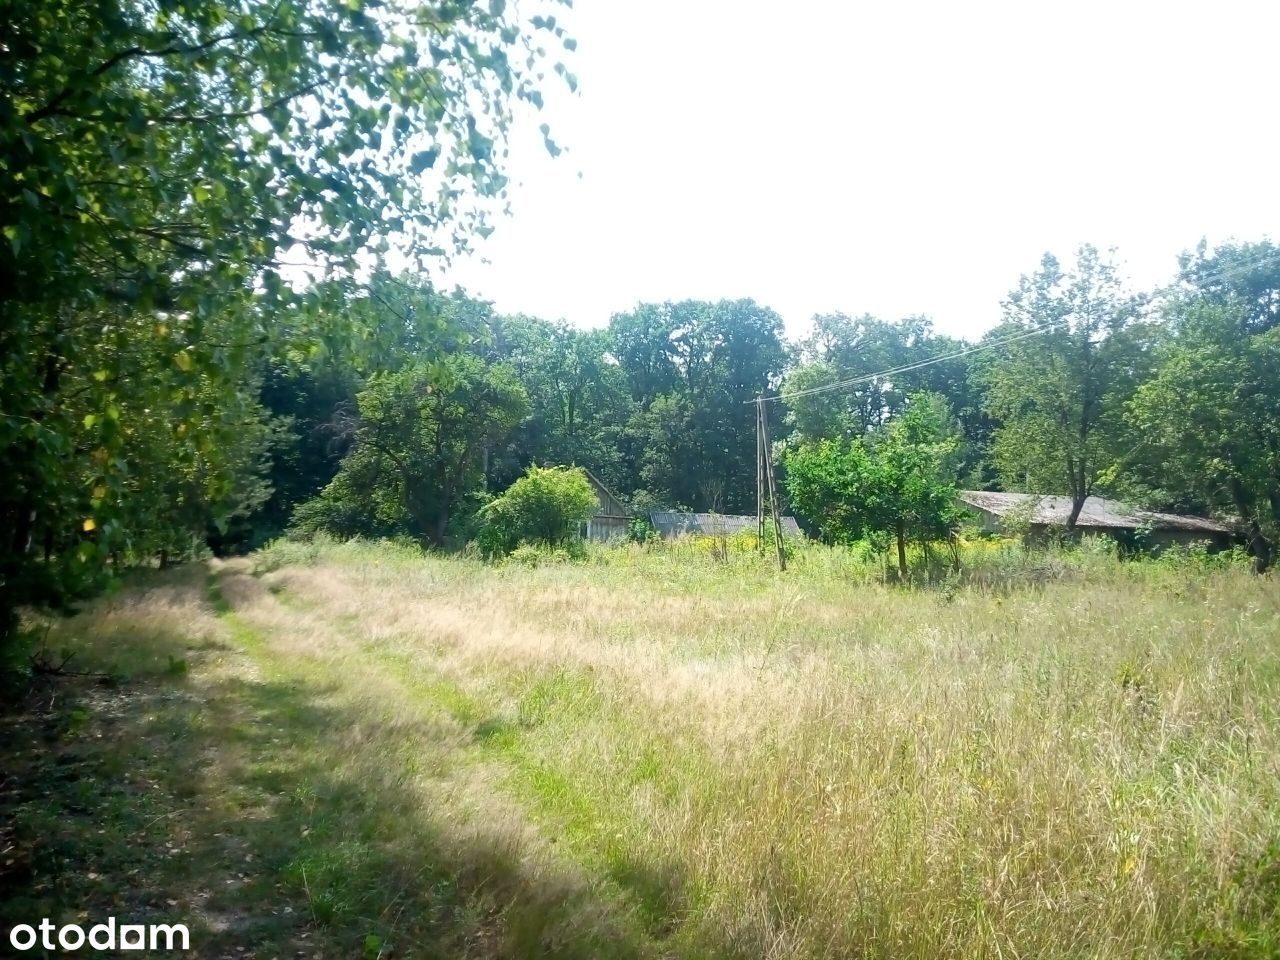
column 759, row 477
column 767, row 459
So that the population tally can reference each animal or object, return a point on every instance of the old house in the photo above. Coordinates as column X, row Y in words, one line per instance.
column 1042, row 516
column 669, row 524
column 612, row 515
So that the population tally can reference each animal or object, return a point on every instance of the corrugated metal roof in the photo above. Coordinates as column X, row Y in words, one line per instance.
column 1097, row 512
column 671, row 524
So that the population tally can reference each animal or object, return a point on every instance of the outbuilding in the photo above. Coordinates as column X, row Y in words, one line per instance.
column 669, row 524
column 611, row 517
column 1042, row 516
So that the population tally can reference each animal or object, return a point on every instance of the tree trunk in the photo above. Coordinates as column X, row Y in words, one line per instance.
column 1260, row 547
column 902, row 550
column 1077, row 505
column 1079, row 494
column 15, row 549
column 24, row 529
column 442, row 523
column 1258, row 544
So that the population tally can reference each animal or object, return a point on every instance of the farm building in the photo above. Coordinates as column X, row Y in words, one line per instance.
column 671, row 525
column 1046, row 514
column 611, row 517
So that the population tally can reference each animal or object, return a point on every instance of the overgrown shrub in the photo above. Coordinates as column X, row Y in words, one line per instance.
column 545, row 507
column 640, row 529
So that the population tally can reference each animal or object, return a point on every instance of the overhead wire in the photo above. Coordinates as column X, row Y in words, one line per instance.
column 1141, row 300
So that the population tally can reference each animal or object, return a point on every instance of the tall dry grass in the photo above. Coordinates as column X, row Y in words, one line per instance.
column 663, row 752
column 817, row 765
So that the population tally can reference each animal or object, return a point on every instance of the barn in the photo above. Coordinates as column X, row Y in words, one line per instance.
column 611, row 518
column 669, row 524
column 1044, row 515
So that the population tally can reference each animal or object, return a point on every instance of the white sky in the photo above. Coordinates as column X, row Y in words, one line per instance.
column 892, row 158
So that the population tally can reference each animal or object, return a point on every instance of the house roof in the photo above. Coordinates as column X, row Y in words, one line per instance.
column 1051, row 510
column 670, row 524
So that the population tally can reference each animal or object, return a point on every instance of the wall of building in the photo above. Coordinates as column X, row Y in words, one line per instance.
column 611, row 518
column 605, row 528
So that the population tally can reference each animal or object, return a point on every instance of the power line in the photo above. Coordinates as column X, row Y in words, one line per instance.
column 867, row 378
column 1143, row 300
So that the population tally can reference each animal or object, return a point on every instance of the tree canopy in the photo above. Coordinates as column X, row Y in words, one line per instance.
column 189, row 188
column 900, row 480
column 1058, row 395
column 1210, row 411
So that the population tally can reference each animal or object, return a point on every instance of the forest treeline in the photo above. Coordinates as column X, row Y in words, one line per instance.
column 201, row 343
column 1168, row 399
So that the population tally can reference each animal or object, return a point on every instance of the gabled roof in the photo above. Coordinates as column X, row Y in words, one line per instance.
column 600, row 486
column 1051, row 510
column 670, row 524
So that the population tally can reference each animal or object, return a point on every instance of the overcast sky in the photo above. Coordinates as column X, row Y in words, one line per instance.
column 893, row 158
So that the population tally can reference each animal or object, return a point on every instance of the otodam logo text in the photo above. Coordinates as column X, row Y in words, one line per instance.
column 106, row 935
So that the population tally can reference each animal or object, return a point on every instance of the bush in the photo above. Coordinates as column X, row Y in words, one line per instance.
column 545, row 507
column 640, row 529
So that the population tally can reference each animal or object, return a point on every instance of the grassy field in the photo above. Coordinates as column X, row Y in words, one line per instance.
column 358, row 751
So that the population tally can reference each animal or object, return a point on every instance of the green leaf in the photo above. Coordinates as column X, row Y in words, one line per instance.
column 424, row 160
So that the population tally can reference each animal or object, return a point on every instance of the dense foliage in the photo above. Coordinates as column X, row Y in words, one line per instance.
column 898, row 480
column 1059, row 396
column 188, row 188
column 1210, row 411
column 417, row 449
column 545, row 507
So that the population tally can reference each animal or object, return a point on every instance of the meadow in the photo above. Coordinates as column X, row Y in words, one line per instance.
column 361, row 750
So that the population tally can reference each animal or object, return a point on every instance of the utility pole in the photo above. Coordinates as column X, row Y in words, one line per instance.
column 767, row 459
column 759, row 476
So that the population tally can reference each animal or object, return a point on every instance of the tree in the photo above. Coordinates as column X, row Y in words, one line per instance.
column 578, row 397
column 900, row 482
column 545, row 507
column 843, row 349
column 163, row 162
column 1243, row 276
column 1210, row 413
column 1058, row 395
column 641, row 343
column 417, row 450
column 694, row 368
column 313, row 401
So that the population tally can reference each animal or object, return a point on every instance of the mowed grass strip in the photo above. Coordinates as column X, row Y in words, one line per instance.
column 647, row 757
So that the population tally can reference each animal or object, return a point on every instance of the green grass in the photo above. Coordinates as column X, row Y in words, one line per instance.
column 658, row 753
